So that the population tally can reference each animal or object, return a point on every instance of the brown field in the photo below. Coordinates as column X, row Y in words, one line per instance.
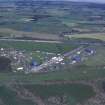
column 6, row 32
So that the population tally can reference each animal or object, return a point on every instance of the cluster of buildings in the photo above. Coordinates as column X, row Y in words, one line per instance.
column 19, row 59
column 58, row 62
column 82, row 55
column 22, row 61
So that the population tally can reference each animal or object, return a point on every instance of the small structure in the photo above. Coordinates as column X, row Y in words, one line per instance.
column 20, row 68
column 73, row 62
column 34, row 63
column 79, row 52
column 2, row 49
column 76, row 59
column 57, row 59
column 89, row 51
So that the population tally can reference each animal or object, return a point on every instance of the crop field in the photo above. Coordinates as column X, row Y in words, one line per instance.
column 99, row 36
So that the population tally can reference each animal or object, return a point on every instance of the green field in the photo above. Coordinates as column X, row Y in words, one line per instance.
column 78, row 73
column 99, row 36
column 72, row 91
column 9, row 97
column 98, row 59
column 32, row 46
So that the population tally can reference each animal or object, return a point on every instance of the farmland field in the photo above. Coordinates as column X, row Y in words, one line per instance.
column 71, row 90
column 33, row 46
column 49, row 21
column 9, row 97
column 99, row 36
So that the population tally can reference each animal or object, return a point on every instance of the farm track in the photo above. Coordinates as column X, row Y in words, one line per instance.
column 37, row 41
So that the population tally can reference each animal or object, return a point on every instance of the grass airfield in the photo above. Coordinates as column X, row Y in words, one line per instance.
column 90, row 70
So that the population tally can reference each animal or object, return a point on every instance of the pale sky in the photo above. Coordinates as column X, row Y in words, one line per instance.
column 99, row 1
